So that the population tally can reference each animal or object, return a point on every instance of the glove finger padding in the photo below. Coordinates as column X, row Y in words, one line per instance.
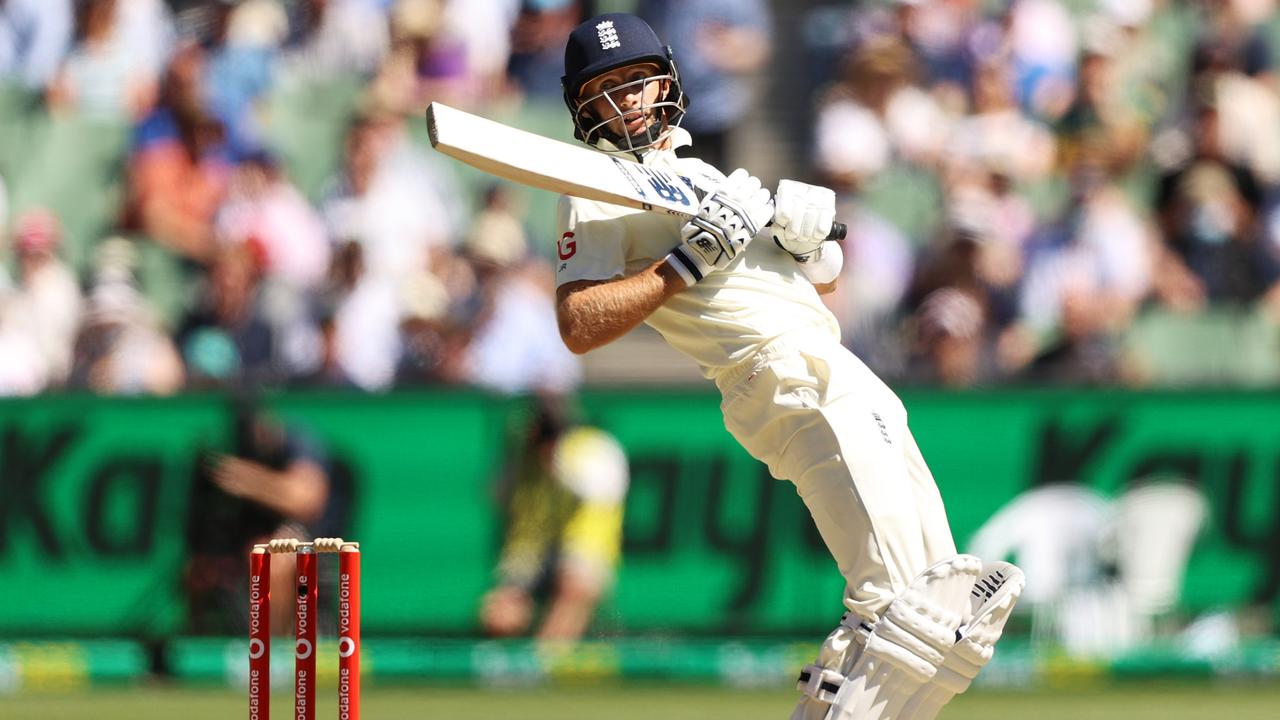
column 727, row 219
column 744, row 195
column 804, row 217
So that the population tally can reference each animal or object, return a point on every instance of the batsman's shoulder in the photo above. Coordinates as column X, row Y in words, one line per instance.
column 575, row 212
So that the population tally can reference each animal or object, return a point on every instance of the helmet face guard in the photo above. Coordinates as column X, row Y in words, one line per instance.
column 661, row 115
column 606, row 43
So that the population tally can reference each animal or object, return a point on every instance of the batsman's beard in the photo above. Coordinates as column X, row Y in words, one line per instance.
column 652, row 132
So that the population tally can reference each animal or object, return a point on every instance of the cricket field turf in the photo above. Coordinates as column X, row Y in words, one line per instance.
column 1165, row 701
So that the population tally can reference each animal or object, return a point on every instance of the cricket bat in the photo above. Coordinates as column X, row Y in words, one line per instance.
column 560, row 167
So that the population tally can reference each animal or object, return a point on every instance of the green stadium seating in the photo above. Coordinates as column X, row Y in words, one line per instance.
column 908, row 197
column 305, row 124
column 74, row 167
column 1220, row 346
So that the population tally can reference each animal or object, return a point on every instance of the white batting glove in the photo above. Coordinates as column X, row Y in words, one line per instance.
column 726, row 221
column 803, row 218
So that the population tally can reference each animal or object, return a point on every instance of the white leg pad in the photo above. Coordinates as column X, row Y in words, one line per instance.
column 909, row 643
column 994, row 595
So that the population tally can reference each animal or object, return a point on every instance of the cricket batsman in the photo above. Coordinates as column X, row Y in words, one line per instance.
column 741, row 298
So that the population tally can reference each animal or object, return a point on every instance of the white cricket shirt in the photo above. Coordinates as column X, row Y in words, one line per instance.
column 728, row 315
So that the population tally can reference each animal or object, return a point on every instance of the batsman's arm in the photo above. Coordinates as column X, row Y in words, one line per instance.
column 592, row 313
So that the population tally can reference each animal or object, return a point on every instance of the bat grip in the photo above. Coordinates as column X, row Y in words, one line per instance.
column 838, row 230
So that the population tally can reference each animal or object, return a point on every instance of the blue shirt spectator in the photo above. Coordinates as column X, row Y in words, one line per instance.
column 717, row 44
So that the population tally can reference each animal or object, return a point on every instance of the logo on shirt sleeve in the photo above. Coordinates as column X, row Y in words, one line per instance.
column 566, row 246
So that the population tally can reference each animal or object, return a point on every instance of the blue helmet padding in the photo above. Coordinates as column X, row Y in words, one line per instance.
column 606, row 42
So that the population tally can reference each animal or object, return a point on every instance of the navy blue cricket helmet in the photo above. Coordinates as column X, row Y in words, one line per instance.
column 607, row 42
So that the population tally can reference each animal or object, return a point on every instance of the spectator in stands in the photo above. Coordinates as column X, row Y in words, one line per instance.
column 515, row 342
column 1232, row 63
column 272, row 480
column 1099, row 115
column 1085, row 282
column 264, row 208
column 875, row 116
column 720, row 46
column 537, row 45
column 329, row 38
column 241, row 69
column 432, row 339
column 956, row 257
column 227, row 340
column 121, row 348
column 997, row 133
column 397, row 202
column 363, row 316
column 46, row 303
column 880, row 262
column 146, row 27
column 948, row 340
column 34, row 37
column 1209, row 208
column 200, row 21
column 102, row 78
column 34, row 356
column 954, row 310
column 427, row 61
column 179, row 165
column 485, row 29
column 1042, row 47
column 563, row 497
column 945, row 36
column 21, row 372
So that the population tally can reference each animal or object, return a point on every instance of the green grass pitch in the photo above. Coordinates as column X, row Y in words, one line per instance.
column 1165, row 701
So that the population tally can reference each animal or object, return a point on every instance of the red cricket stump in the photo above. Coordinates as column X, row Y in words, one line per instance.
column 349, row 632
column 304, row 688
column 305, row 626
column 259, row 634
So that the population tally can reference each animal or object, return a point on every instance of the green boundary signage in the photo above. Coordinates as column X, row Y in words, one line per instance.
column 94, row 497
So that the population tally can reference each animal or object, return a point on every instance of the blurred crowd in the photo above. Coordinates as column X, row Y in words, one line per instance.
column 1036, row 184
column 212, row 193
column 216, row 264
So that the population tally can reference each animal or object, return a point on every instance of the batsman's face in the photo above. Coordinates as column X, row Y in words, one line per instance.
column 625, row 97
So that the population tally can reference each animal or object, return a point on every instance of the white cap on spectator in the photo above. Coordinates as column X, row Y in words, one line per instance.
column 495, row 237
column 1129, row 13
column 417, row 18
column 257, row 23
column 423, row 297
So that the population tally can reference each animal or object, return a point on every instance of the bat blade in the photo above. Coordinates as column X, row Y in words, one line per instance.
column 560, row 167
column 556, row 166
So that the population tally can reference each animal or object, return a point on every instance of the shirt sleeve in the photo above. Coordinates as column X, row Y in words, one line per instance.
column 590, row 246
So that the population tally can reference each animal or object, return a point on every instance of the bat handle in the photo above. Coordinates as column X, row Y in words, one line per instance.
column 838, row 231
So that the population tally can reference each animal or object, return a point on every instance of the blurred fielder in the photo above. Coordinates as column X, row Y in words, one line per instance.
column 568, row 482
column 922, row 620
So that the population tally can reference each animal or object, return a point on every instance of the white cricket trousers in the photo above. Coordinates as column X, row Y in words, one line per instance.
column 817, row 416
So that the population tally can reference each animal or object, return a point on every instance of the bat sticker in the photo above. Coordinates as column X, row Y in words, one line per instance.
column 667, row 187
column 626, row 173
